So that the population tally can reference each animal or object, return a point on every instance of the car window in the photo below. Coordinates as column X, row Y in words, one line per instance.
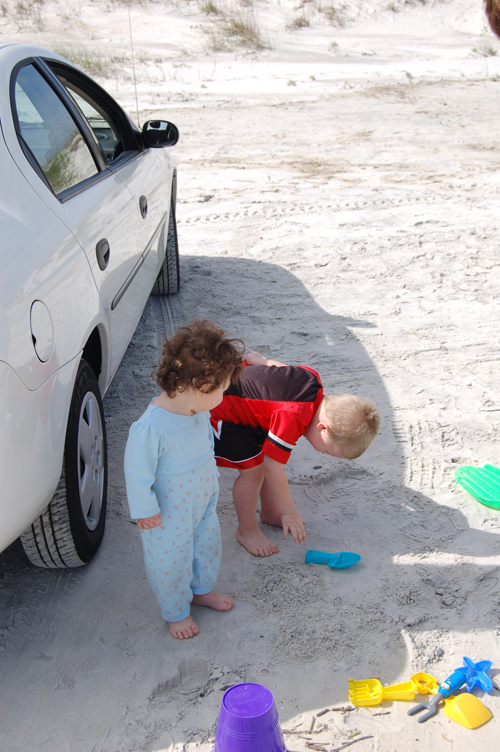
column 50, row 132
column 107, row 120
column 104, row 127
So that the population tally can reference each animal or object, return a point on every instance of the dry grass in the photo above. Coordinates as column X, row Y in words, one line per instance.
column 299, row 22
column 336, row 15
column 24, row 13
column 210, row 8
column 90, row 61
column 244, row 30
column 236, row 27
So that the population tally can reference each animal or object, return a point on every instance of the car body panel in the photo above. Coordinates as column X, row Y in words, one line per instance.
column 43, row 270
column 55, row 299
column 145, row 176
column 34, row 422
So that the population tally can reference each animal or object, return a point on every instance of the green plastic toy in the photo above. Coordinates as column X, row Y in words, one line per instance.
column 481, row 482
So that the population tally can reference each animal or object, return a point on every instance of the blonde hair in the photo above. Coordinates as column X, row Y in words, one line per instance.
column 353, row 422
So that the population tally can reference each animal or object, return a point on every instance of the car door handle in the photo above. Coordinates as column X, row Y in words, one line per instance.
column 143, row 205
column 102, row 253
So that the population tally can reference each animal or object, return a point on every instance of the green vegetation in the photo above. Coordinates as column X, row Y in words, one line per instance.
column 335, row 15
column 486, row 52
column 210, row 8
column 299, row 22
column 58, row 171
column 90, row 61
column 23, row 12
column 237, row 28
column 244, row 30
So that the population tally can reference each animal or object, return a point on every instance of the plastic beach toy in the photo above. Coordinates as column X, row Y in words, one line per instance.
column 340, row 560
column 464, row 708
column 476, row 676
column 481, row 482
column 467, row 710
column 448, row 687
column 371, row 692
column 248, row 721
column 425, row 683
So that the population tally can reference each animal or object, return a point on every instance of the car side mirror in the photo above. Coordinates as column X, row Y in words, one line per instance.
column 158, row 133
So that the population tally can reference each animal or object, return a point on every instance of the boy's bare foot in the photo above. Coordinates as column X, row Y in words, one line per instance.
column 256, row 542
column 184, row 629
column 271, row 519
column 219, row 601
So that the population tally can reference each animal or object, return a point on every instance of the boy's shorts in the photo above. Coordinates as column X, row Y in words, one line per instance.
column 237, row 445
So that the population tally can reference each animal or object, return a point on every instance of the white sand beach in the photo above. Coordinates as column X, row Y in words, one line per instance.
column 338, row 207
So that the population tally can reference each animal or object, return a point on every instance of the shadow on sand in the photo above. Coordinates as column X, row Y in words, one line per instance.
column 302, row 630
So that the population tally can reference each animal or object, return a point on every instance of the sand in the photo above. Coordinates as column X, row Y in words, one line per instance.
column 338, row 207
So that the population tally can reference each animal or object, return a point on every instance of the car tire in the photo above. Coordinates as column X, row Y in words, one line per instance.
column 168, row 280
column 70, row 530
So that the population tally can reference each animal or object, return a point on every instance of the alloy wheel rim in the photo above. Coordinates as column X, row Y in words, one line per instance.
column 90, row 460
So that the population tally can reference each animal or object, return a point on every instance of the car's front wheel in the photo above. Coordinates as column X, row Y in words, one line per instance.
column 168, row 280
column 70, row 530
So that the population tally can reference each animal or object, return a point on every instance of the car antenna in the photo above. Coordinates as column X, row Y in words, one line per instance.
column 133, row 66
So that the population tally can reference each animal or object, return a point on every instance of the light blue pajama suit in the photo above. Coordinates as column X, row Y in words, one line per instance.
column 170, row 468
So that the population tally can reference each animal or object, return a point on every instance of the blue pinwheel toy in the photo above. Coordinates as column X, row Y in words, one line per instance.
column 475, row 674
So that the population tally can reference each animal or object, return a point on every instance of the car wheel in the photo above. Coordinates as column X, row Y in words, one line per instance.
column 70, row 530
column 168, row 280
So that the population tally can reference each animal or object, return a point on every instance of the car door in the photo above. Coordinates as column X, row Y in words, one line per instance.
column 91, row 198
column 147, row 173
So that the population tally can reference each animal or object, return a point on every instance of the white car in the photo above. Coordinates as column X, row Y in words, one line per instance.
column 87, row 232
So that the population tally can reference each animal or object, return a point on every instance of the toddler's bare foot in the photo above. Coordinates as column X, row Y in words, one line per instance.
column 256, row 542
column 271, row 519
column 219, row 601
column 184, row 629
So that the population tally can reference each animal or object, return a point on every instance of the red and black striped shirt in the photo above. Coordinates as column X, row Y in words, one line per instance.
column 282, row 400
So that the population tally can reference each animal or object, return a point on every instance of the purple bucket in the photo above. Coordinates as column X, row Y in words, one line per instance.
column 248, row 721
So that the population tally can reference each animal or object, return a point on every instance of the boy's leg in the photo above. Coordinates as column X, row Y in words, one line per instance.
column 237, row 445
column 246, row 491
column 269, row 513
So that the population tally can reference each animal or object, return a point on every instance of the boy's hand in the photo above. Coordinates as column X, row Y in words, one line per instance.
column 147, row 523
column 294, row 523
column 256, row 359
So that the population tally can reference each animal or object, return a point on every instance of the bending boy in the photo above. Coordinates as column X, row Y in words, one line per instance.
column 257, row 425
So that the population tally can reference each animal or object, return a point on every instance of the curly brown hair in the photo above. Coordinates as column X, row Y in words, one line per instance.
column 199, row 356
column 492, row 8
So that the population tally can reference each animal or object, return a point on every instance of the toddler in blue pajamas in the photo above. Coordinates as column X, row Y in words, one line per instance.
column 171, row 476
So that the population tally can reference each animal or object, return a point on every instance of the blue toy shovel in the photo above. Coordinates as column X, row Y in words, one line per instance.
column 340, row 560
